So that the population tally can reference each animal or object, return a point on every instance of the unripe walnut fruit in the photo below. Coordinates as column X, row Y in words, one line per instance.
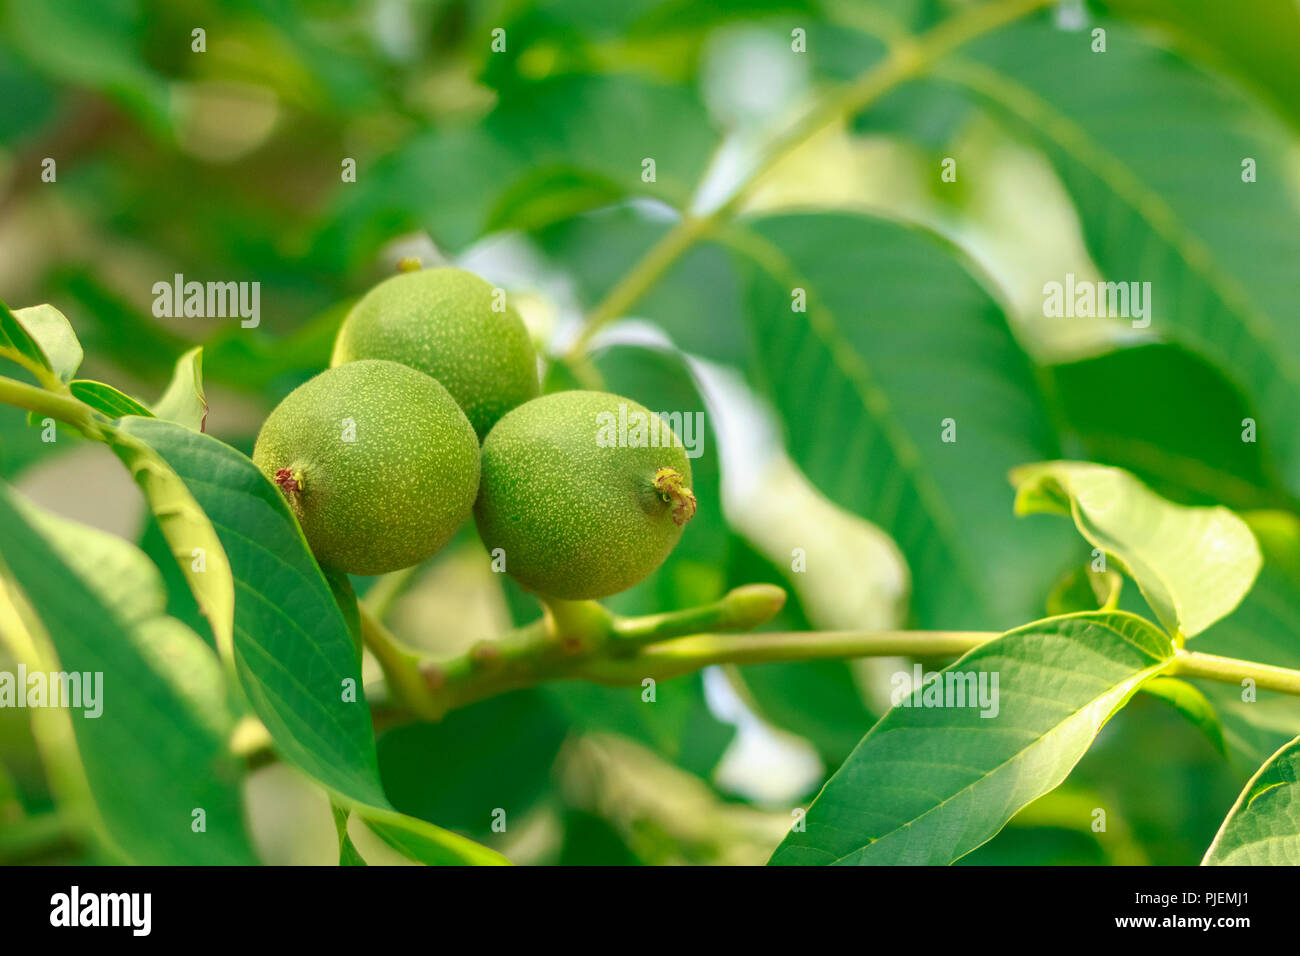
column 377, row 461
column 450, row 324
column 578, row 516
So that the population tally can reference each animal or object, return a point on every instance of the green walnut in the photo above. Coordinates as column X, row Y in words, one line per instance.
column 377, row 461
column 579, row 508
column 452, row 325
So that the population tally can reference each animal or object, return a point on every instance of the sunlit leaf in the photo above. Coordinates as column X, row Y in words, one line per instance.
column 1193, row 565
column 928, row 784
column 1263, row 827
column 106, row 399
column 184, row 402
column 41, row 340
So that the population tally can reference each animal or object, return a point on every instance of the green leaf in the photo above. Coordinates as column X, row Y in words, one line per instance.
column 1193, row 565
column 1187, row 443
column 549, row 195
column 1083, row 589
column 348, row 853
column 295, row 656
column 183, row 402
column 865, row 399
column 1259, row 48
column 929, row 784
column 440, row 180
column 52, row 332
column 126, row 580
column 1165, row 202
column 424, row 842
column 41, row 340
column 96, row 45
column 818, row 700
column 497, row 753
column 606, row 126
column 550, row 149
column 106, row 399
column 590, row 840
column 1263, row 826
column 156, row 754
column 678, row 724
column 1188, row 700
column 697, row 302
column 1264, row 629
column 291, row 644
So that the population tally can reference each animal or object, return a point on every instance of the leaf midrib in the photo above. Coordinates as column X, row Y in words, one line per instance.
column 1130, row 685
column 907, row 455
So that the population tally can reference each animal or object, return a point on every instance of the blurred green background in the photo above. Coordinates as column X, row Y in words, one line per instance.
column 525, row 163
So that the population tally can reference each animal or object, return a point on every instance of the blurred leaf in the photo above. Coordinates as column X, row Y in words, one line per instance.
column 1160, row 810
column 1186, row 443
column 1263, row 628
column 1193, row 565
column 549, row 195
column 551, row 149
column 924, row 111
column 157, row 735
column 818, row 700
column 340, row 76
column 114, row 329
column 697, row 302
column 1188, row 700
column 27, row 100
column 496, row 754
column 1259, row 46
column 865, row 398
column 677, row 724
column 590, row 840
column 106, row 399
column 443, row 181
column 929, row 784
column 183, row 402
column 1083, row 589
column 96, row 45
column 1263, row 827
column 1037, row 846
column 607, row 125
column 255, row 362
column 127, row 582
column 1217, row 251
column 21, row 441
